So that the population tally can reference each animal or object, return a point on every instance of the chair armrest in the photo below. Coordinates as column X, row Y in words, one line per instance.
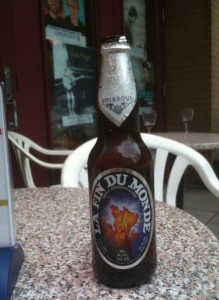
column 51, row 151
column 36, row 160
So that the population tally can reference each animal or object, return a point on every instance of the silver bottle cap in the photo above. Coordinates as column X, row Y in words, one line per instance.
column 114, row 42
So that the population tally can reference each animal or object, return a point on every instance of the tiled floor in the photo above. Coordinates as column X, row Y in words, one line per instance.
column 204, row 206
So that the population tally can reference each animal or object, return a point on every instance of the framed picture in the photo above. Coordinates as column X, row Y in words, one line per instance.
column 67, row 14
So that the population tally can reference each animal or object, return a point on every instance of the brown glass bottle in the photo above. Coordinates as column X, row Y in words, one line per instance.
column 120, row 171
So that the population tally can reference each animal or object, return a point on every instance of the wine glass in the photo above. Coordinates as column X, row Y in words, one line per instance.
column 187, row 115
column 149, row 119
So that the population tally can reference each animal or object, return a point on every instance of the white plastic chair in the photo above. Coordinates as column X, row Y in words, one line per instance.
column 22, row 147
column 73, row 173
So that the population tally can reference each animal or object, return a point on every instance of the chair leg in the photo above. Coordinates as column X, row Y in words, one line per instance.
column 180, row 195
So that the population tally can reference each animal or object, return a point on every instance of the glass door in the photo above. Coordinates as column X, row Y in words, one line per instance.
column 71, row 71
column 138, row 16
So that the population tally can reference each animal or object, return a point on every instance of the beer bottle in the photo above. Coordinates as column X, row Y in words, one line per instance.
column 120, row 171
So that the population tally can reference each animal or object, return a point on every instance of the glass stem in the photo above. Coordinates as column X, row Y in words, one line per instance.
column 186, row 127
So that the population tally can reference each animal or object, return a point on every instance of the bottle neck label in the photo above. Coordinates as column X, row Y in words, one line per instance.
column 117, row 92
column 122, row 217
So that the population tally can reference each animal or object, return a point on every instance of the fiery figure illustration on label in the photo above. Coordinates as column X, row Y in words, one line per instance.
column 120, row 234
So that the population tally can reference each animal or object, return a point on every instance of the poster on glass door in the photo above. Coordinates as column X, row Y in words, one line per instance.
column 74, row 85
column 135, row 26
column 65, row 20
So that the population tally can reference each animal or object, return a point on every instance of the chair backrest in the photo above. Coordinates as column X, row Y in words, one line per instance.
column 22, row 147
column 74, row 174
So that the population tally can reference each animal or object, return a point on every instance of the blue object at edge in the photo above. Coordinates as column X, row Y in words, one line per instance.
column 11, row 260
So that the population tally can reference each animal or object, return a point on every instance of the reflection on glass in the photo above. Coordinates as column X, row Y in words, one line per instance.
column 187, row 115
column 149, row 119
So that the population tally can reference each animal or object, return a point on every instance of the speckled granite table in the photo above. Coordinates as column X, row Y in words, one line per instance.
column 196, row 140
column 53, row 230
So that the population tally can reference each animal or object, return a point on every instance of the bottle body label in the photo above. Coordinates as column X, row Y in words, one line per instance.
column 122, row 217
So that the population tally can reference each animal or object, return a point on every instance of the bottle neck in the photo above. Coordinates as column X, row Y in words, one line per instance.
column 118, row 111
column 106, row 128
